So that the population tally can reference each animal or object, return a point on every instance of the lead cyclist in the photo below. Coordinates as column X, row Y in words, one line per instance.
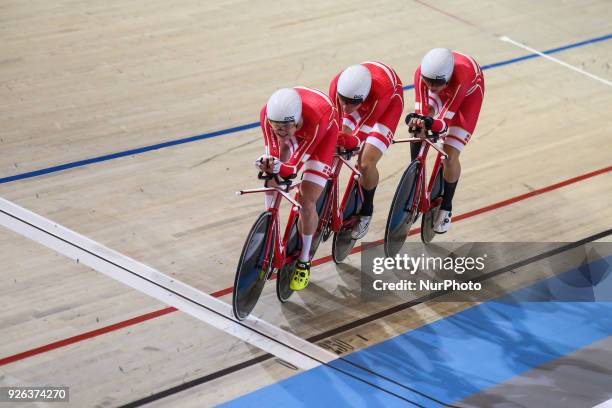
column 300, row 130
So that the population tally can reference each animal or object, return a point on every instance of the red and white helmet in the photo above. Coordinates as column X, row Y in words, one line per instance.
column 438, row 64
column 355, row 83
column 285, row 105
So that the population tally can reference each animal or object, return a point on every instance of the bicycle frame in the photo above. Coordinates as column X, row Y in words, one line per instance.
column 424, row 201
column 338, row 209
column 279, row 246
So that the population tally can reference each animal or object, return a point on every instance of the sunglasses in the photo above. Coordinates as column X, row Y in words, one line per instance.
column 350, row 101
column 281, row 125
column 433, row 82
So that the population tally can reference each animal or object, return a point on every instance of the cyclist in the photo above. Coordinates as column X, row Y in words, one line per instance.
column 449, row 89
column 370, row 100
column 300, row 130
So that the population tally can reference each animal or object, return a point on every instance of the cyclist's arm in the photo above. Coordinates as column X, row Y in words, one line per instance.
column 307, row 147
column 272, row 148
column 449, row 109
column 378, row 109
column 420, row 93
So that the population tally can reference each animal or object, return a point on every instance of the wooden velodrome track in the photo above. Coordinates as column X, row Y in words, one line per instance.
column 80, row 80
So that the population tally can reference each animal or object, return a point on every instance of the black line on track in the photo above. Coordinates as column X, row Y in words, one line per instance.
column 161, row 286
column 359, row 322
column 155, row 396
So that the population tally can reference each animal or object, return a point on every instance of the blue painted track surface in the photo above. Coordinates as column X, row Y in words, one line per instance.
column 456, row 357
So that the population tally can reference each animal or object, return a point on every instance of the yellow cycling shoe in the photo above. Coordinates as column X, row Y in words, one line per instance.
column 300, row 277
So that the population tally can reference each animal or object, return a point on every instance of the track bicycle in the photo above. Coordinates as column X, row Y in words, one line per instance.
column 265, row 255
column 414, row 196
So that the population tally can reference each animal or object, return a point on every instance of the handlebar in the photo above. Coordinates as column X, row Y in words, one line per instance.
column 429, row 134
column 427, row 119
column 433, row 136
column 347, row 154
column 284, row 192
column 281, row 181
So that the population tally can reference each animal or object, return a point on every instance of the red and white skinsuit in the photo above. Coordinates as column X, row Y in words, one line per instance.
column 457, row 106
column 377, row 117
column 313, row 145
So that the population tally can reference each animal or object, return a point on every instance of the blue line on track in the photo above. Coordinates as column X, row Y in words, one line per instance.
column 240, row 128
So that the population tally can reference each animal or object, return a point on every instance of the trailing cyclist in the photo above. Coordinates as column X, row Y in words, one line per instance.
column 369, row 98
column 449, row 89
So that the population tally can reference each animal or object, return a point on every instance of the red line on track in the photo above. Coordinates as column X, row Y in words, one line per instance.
column 319, row 261
column 86, row 335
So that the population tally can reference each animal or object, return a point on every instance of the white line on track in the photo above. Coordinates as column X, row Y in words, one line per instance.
column 565, row 64
column 605, row 404
column 145, row 279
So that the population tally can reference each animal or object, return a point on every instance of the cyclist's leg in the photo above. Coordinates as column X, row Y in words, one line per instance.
column 368, row 160
column 286, row 149
column 310, row 190
column 309, row 193
column 376, row 143
column 269, row 196
column 459, row 133
column 452, row 171
column 316, row 172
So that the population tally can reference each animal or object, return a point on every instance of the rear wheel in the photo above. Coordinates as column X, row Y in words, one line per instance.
column 324, row 211
column 283, row 276
column 438, row 186
column 427, row 223
column 343, row 244
column 403, row 211
column 254, row 266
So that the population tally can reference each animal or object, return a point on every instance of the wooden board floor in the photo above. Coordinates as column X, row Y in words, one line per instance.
column 83, row 79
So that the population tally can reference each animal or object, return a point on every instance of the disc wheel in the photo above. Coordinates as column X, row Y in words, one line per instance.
column 283, row 276
column 401, row 216
column 254, row 266
column 427, row 222
column 343, row 244
column 324, row 211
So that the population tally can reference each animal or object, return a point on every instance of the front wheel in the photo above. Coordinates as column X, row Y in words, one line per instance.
column 254, row 266
column 403, row 211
